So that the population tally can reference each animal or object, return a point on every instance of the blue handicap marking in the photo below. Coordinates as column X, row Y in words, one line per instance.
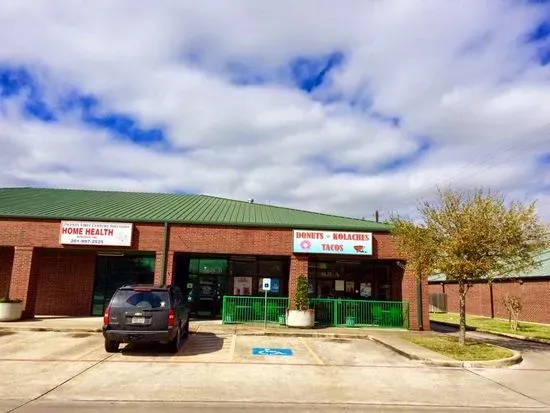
column 265, row 351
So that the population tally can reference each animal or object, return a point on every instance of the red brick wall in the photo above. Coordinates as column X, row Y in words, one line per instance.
column 409, row 294
column 6, row 262
column 24, row 278
column 228, row 240
column 65, row 282
column 533, row 293
column 45, row 234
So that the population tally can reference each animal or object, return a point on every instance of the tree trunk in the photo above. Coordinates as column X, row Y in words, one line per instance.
column 462, row 328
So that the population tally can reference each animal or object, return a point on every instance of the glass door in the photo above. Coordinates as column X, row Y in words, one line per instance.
column 207, row 283
column 113, row 272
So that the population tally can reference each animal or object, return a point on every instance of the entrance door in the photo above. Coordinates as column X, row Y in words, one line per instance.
column 207, row 283
column 114, row 271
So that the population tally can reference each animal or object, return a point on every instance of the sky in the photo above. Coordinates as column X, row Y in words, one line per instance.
column 339, row 107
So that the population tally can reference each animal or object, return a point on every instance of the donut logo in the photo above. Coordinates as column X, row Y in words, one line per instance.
column 305, row 244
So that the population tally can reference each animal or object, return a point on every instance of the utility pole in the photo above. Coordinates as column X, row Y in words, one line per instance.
column 376, row 216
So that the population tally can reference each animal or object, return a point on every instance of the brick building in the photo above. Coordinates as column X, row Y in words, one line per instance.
column 485, row 299
column 64, row 252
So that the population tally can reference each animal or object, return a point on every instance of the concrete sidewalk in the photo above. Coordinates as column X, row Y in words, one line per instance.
column 390, row 338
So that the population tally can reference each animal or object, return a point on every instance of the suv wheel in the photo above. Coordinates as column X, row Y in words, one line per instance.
column 175, row 344
column 111, row 346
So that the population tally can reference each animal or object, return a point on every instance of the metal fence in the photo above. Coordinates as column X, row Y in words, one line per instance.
column 329, row 312
column 246, row 309
column 360, row 313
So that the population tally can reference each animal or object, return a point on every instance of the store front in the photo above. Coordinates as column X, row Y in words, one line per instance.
column 206, row 279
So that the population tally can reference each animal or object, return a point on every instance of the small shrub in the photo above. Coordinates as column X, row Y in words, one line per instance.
column 301, row 297
column 513, row 305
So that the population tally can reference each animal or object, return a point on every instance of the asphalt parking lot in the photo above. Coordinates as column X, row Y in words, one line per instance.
column 43, row 371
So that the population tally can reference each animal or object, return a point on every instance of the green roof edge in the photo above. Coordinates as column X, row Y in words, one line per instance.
column 355, row 223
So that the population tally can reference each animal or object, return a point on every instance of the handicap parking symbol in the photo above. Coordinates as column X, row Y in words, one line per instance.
column 266, row 351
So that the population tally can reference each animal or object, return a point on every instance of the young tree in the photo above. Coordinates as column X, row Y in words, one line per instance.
column 478, row 237
column 513, row 305
column 416, row 244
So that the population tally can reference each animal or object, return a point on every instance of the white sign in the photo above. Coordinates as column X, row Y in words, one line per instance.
column 96, row 233
column 332, row 242
column 266, row 284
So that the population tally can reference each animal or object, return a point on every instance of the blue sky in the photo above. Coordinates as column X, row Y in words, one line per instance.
column 341, row 110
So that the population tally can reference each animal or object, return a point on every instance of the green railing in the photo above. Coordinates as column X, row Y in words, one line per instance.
column 360, row 313
column 246, row 309
column 329, row 312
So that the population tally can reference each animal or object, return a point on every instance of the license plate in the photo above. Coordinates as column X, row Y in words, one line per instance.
column 138, row 320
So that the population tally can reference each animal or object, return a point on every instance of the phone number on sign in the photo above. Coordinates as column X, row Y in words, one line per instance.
column 87, row 241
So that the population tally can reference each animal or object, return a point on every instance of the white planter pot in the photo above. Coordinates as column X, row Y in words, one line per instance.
column 10, row 311
column 300, row 319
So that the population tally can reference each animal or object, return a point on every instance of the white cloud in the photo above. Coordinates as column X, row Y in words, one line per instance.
column 455, row 73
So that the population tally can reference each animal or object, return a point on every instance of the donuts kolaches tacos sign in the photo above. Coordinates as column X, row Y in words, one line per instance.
column 332, row 242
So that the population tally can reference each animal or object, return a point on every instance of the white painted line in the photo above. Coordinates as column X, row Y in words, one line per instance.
column 233, row 345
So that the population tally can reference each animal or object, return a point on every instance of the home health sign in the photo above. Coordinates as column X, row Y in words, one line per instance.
column 332, row 242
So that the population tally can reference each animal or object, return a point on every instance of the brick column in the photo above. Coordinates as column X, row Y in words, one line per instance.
column 158, row 267
column 298, row 266
column 170, row 267
column 409, row 294
column 24, row 277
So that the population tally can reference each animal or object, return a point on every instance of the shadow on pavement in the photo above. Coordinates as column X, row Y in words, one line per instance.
column 511, row 343
column 195, row 344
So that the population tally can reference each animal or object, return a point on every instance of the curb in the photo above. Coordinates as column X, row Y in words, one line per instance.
column 496, row 333
column 304, row 335
column 516, row 358
column 47, row 329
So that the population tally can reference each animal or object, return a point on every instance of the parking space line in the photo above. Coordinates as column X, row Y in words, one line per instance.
column 313, row 354
column 232, row 349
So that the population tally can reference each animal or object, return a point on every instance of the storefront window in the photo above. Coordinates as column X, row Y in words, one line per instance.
column 270, row 269
column 244, row 268
column 115, row 271
column 349, row 279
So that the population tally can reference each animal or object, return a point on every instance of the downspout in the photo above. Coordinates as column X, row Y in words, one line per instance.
column 164, row 252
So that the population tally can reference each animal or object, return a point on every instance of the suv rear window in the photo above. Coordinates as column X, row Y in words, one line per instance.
column 141, row 299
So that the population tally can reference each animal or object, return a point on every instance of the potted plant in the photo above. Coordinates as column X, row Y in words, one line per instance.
column 301, row 316
column 10, row 309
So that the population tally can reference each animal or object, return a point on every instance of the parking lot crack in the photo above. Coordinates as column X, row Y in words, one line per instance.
column 508, row 388
column 61, row 384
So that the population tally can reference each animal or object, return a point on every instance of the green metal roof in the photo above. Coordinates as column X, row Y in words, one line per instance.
column 542, row 270
column 70, row 204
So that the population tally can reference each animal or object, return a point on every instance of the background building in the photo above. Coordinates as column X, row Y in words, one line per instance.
column 485, row 299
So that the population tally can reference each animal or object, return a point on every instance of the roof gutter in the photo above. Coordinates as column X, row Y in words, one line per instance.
column 165, row 236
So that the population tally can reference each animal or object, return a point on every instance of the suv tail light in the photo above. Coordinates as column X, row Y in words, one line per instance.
column 171, row 318
column 106, row 316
